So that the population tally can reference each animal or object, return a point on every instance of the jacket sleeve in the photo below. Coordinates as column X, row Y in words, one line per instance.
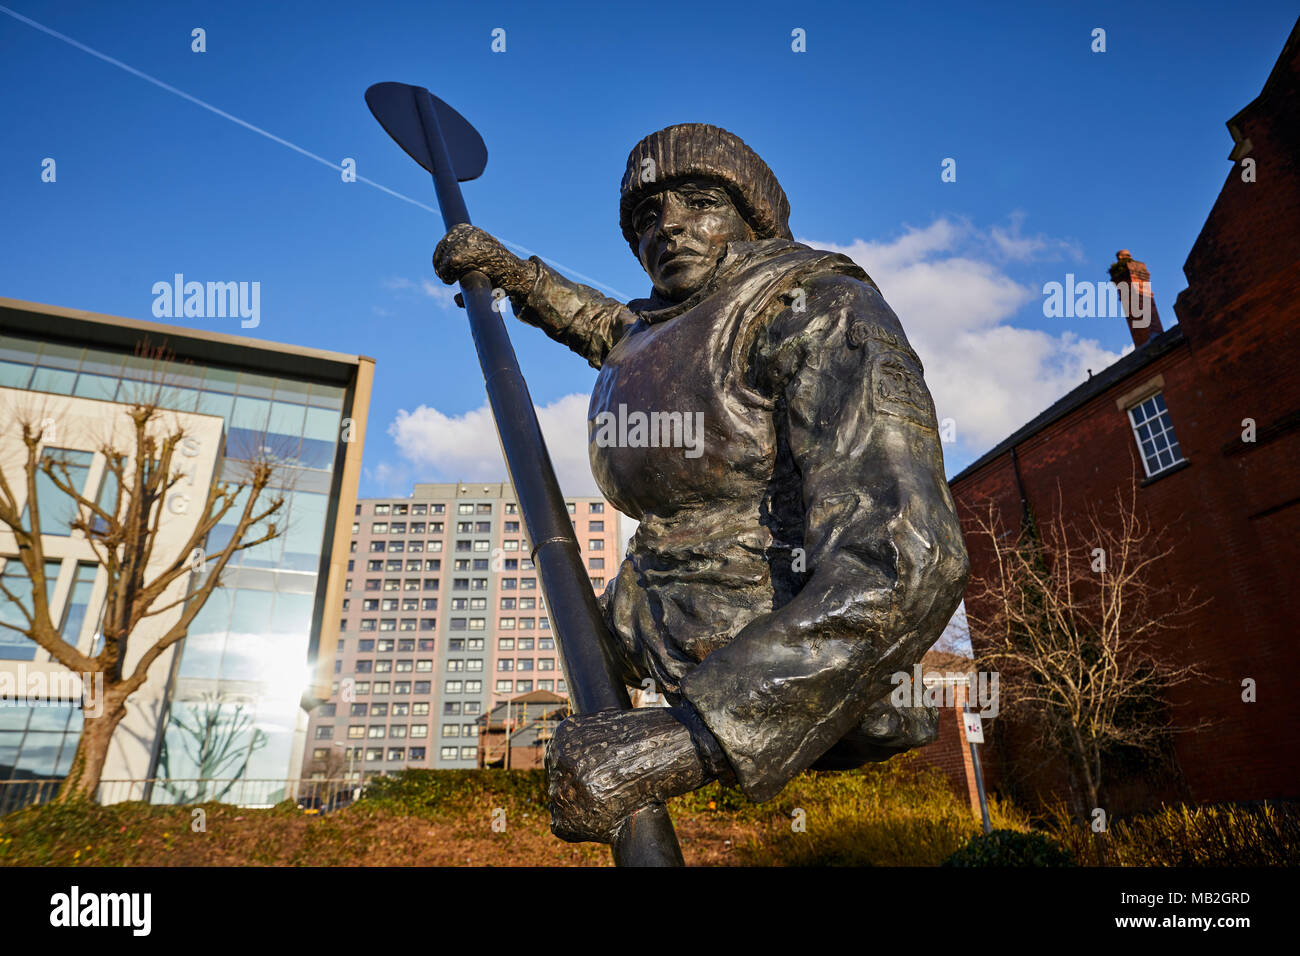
column 574, row 315
column 883, row 556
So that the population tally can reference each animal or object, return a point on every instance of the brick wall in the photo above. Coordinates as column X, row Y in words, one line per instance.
column 1233, row 514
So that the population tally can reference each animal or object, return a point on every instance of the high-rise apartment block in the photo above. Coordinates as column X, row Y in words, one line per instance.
column 442, row 619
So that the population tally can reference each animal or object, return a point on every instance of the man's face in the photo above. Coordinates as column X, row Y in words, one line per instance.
column 684, row 230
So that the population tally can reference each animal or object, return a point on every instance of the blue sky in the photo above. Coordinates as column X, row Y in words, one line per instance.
column 1063, row 157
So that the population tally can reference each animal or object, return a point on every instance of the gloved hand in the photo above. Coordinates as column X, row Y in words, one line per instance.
column 603, row 767
column 467, row 248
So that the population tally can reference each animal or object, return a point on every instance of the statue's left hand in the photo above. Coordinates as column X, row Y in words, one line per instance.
column 603, row 767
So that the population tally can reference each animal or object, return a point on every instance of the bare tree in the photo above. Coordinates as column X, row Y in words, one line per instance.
column 218, row 742
column 1069, row 615
column 123, row 534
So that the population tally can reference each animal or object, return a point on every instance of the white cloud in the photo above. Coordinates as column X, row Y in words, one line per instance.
column 443, row 295
column 955, row 303
column 465, row 447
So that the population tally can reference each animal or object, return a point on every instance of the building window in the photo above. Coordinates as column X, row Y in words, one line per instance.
column 381, row 509
column 597, row 507
column 1155, row 434
column 593, row 526
column 325, row 732
column 595, row 544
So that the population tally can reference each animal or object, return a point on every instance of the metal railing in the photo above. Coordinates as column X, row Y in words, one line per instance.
column 311, row 795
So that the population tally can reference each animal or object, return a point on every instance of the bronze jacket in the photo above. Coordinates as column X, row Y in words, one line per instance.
column 804, row 546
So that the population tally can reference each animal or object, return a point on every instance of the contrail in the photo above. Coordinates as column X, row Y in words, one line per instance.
column 277, row 139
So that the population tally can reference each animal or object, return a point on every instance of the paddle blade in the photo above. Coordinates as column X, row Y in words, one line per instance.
column 396, row 107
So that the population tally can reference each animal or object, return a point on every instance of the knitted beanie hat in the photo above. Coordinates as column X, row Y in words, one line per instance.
column 707, row 152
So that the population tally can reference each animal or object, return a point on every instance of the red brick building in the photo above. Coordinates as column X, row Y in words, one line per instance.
column 1207, row 413
column 950, row 753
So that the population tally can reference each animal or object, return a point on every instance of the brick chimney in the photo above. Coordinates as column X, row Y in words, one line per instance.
column 1134, row 281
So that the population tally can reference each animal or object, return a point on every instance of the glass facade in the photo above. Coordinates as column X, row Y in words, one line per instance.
column 38, row 742
column 244, row 665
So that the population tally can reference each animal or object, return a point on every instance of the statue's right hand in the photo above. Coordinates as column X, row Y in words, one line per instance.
column 467, row 248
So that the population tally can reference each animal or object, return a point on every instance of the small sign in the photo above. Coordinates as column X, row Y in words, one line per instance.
column 974, row 728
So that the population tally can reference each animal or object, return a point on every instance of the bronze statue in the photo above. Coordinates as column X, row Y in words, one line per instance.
column 763, row 417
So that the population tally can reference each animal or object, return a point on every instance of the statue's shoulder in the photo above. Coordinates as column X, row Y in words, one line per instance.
column 828, row 301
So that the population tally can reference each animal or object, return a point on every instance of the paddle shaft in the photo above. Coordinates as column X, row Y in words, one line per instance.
column 647, row 838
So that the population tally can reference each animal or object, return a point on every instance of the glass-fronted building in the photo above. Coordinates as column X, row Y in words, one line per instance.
column 233, row 701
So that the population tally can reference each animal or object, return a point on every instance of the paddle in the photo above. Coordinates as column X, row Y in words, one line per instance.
column 444, row 143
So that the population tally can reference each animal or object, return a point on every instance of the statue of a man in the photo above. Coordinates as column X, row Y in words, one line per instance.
column 790, row 558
